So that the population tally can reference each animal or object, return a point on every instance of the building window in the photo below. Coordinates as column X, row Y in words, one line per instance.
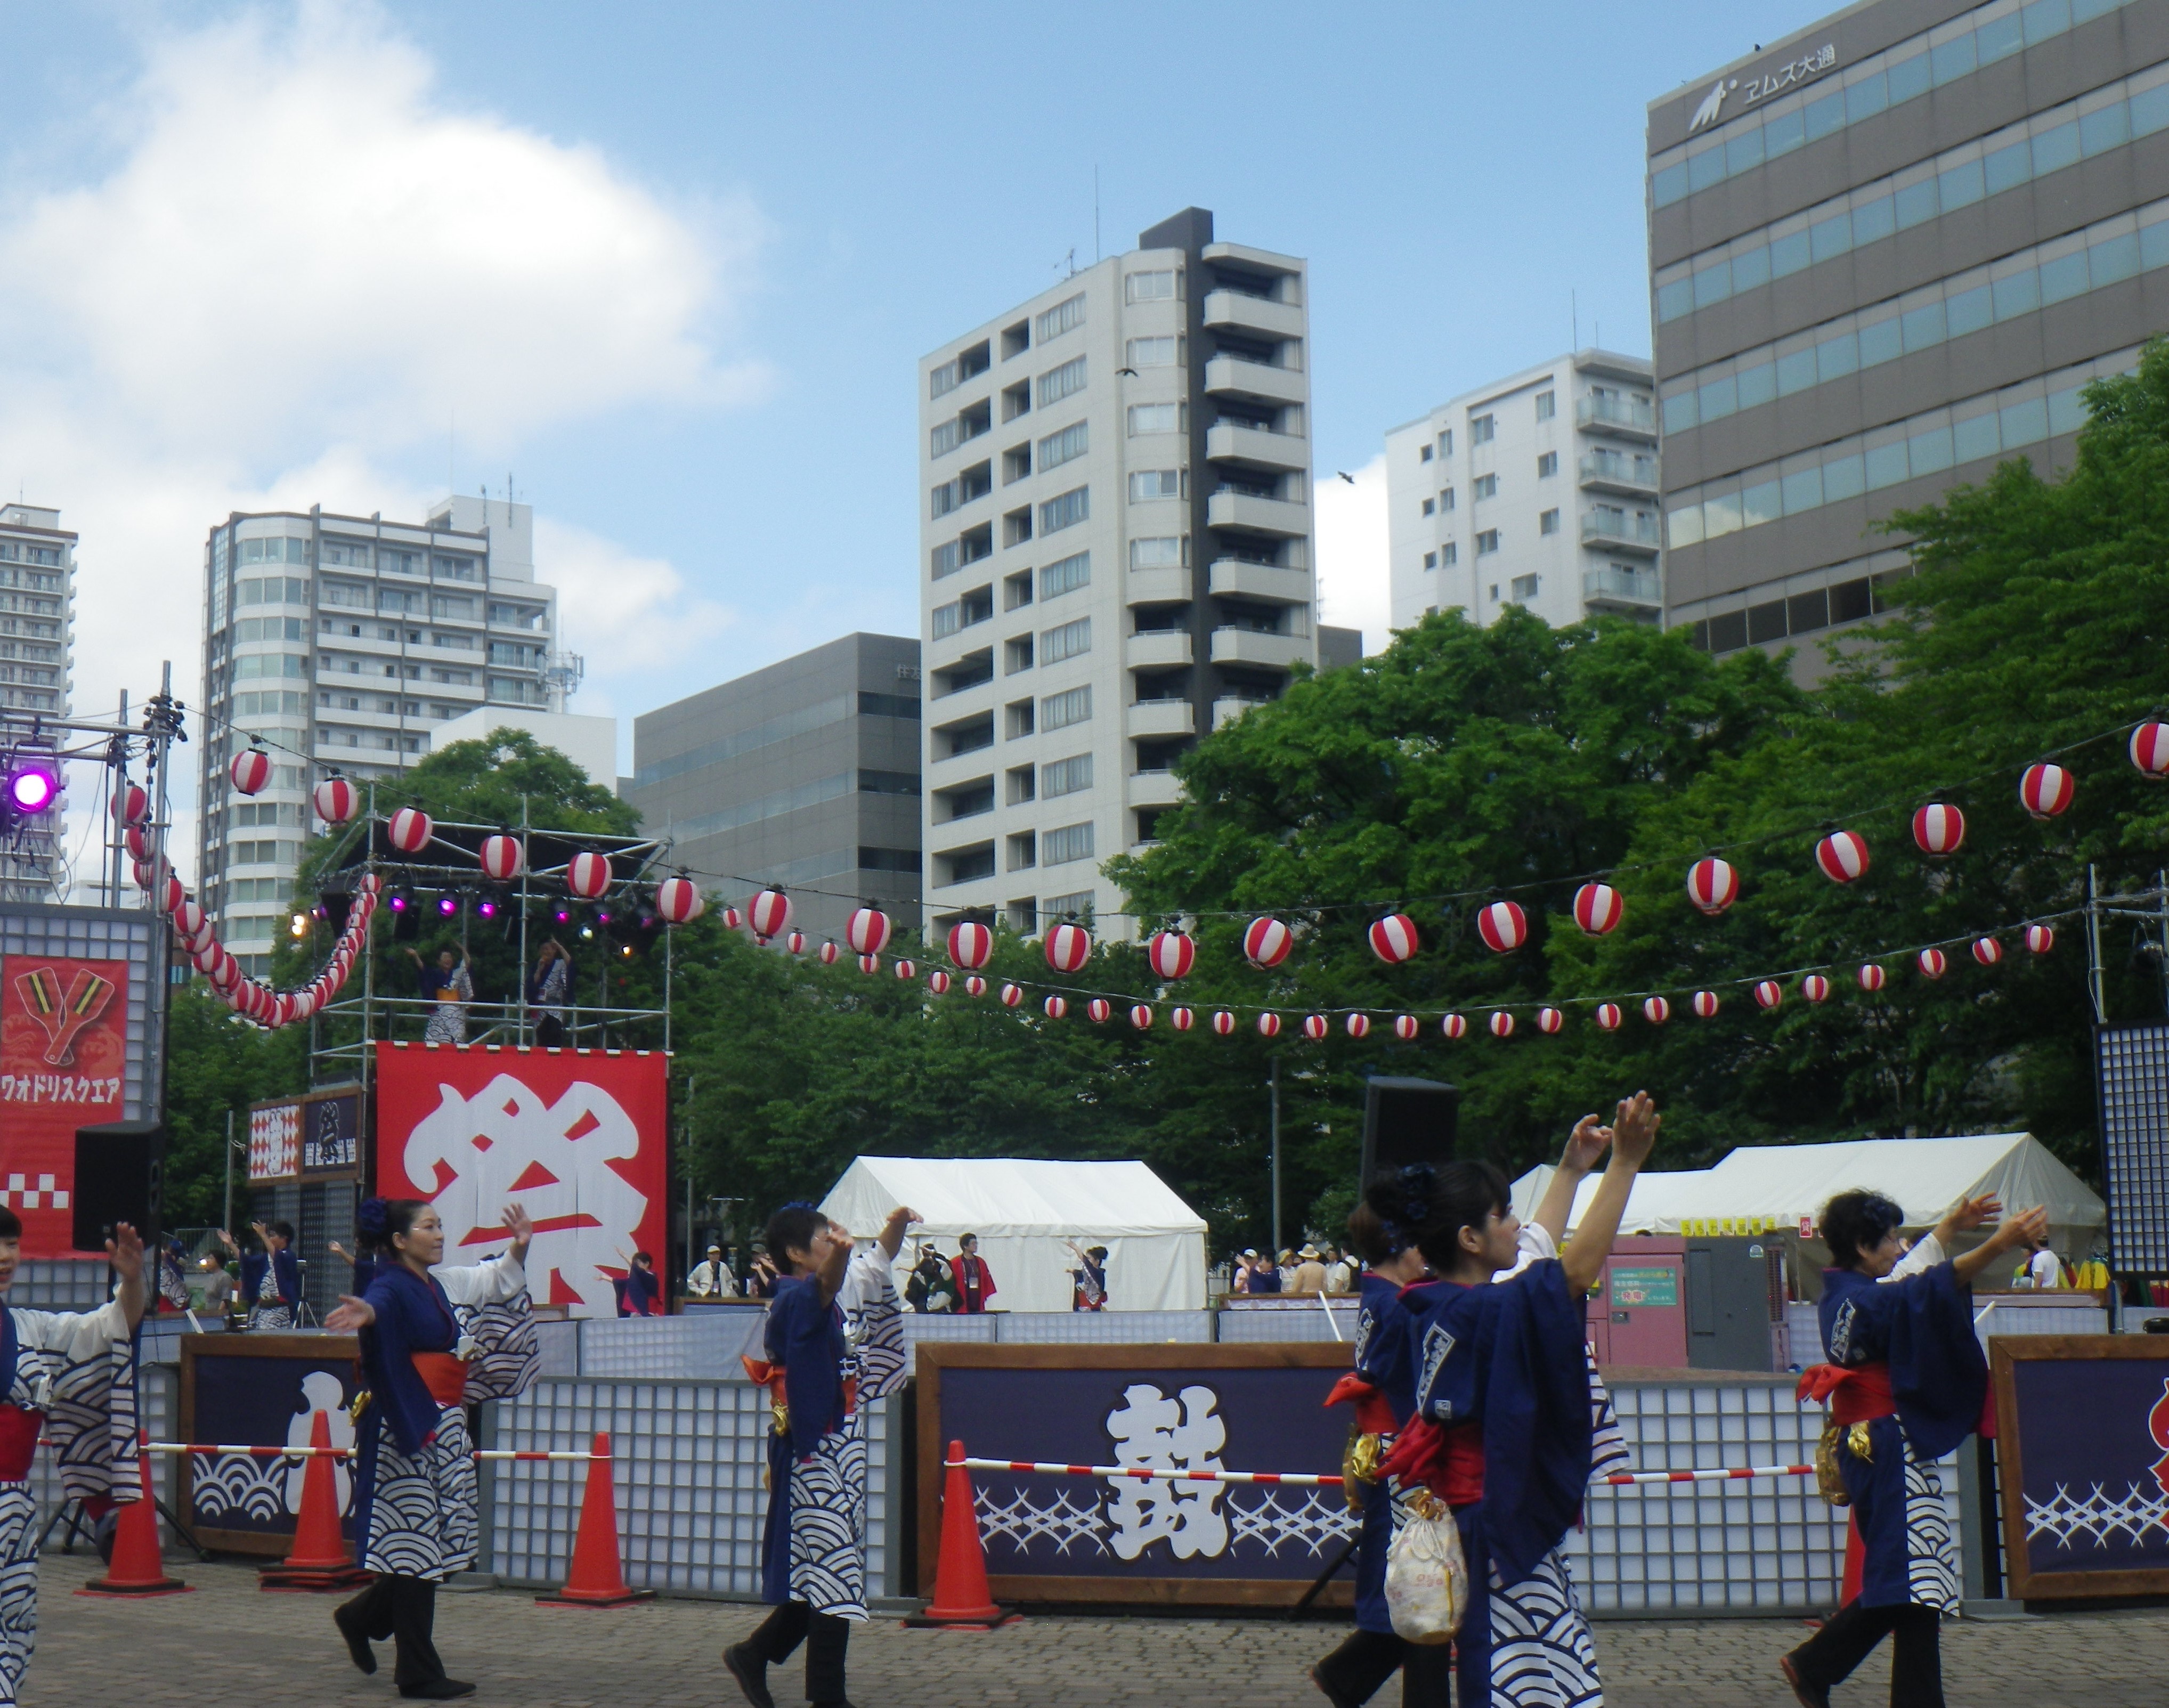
column 1479, row 430
column 1150, row 287
column 1019, row 719
column 1065, row 446
column 1448, row 553
column 1158, row 418
column 945, row 560
column 1024, row 850
column 1064, row 316
column 1423, row 455
column 1071, row 842
column 1430, row 559
column 1064, row 381
column 1148, row 484
column 1016, row 655
column 1066, row 510
column 1016, row 526
column 1023, row 786
column 1067, row 642
column 1546, row 465
column 1446, row 500
column 1066, row 776
column 1167, row 552
column 1017, row 590
column 1059, row 711
column 1430, row 506
column 1155, row 353
column 1546, row 405
column 1064, row 574
column 1487, row 542
column 1486, row 487
column 1525, row 588
column 965, row 366
column 1446, row 443
column 1547, row 523
column 1495, row 593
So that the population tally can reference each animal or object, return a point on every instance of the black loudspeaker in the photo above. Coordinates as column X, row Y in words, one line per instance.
column 1407, row 1120
column 120, row 1176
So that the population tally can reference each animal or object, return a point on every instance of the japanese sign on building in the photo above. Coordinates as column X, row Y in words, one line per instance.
column 63, row 1048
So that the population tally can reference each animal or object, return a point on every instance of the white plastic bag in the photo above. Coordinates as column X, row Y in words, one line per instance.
column 1426, row 1577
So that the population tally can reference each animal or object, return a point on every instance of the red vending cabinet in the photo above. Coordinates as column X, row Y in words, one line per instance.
column 1638, row 1318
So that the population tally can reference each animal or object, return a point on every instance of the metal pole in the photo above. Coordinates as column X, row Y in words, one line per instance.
column 116, row 835
column 2161, row 911
column 1276, row 1083
column 2094, row 981
column 226, row 1221
column 161, row 930
column 525, row 862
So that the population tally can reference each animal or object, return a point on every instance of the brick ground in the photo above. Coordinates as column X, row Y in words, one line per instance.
column 231, row 1643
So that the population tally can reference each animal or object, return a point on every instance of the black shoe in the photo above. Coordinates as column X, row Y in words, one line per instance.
column 1332, row 1695
column 751, row 1675
column 438, row 1689
column 1809, row 1695
column 357, row 1639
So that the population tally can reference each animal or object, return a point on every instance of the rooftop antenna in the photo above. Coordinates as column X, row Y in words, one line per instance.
column 451, row 442
column 1071, row 259
column 1575, row 297
column 1095, row 213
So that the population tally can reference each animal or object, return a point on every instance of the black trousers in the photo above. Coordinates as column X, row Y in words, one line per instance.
column 826, row 1638
column 550, row 1032
column 1359, row 1669
column 405, row 1610
column 1916, row 1657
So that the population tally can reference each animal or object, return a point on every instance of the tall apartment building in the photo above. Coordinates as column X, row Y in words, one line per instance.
column 349, row 638
column 1540, row 491
column 37, row 641
column 1116, row 557
column 804, row 774
column 1886, row 254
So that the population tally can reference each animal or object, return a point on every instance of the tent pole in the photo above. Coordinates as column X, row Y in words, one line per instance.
column 2093, row 948
column 1276, row 1084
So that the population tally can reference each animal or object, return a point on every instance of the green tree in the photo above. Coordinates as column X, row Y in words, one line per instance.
column 215, row 1064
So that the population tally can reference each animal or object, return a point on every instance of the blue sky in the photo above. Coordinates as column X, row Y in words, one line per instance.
column 672, row 265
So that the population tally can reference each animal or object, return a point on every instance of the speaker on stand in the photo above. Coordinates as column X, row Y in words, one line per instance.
column 1405, row 1121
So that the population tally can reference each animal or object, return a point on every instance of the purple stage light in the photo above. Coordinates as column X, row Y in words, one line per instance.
column 399, row 904
column 564, row 916
column 448, row 905
column 32, row 788
column 605, row 917
column 486, row 909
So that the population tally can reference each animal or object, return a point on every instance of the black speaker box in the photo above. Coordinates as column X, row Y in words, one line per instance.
column 1407, row 1120
column 120, row 1176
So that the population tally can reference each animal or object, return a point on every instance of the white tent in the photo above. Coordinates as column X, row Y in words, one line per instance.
column 1024, row 1211
column 1783, row 1184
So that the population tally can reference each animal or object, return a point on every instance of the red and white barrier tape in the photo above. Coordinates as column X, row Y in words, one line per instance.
column 1629, row 1479
column 1143, row 1473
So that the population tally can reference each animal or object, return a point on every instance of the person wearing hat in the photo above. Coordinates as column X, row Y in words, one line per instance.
column 1257, row 1275
column 1309, row 1276
column 713, row 1279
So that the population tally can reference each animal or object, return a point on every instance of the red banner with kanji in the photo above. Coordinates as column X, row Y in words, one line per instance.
column 579, row 1139
column 63, row 1047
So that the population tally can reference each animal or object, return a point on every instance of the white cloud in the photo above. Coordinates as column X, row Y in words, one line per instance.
column 1354, row 586
column 299, row 262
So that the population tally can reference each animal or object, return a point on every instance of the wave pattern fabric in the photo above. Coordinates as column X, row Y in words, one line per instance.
column 423, row 1518
column 1542, row 1653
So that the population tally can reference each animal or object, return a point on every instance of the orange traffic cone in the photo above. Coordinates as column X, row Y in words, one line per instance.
column 961, row 1595
column 137, row 1569
column 320, row 1560
column 596, row 1579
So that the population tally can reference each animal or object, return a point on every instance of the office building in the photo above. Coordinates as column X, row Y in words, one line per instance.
column 804, row 774
column 1116, row 557
column 1887, row 253
column 37, row 655
column 1540, row 491
column 349, row 639
column 589, row 742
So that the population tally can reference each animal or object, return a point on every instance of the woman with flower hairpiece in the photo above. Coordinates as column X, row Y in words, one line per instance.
column 416, row 1498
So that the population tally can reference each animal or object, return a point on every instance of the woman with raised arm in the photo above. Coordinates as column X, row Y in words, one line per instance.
column 1906, row 1382
column 416, row 1497
column 1502, row 1430
column 270, row 1280
column 834, row 1340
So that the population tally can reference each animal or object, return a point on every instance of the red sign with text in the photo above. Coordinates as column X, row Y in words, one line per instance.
column 577, row 1138
column 63, row 1051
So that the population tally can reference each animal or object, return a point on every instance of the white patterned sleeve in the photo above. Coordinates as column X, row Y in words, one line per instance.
column 1926, row 1254
column 875, row 1323
column 477, row 1284
column 87, row 1360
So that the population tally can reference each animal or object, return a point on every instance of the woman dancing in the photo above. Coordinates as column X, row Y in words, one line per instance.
column 1906, row 1382
column 416, row 1497
column 1503, row 1423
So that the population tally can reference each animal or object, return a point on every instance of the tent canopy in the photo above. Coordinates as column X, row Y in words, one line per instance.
column 1783, row 1184
column 1026, row 1212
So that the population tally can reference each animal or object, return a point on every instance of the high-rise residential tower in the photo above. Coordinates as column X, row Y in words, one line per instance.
column 1887, row 253
column 349, row 638
column 1539, row 491
column 37, row 638
column 1116, row 557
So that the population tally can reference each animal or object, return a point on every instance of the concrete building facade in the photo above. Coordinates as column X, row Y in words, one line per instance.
column 804, row 774
column 1539, row 491
column 348, row 639
column 1887, row 253
column 37, row 658
column 1116, row 558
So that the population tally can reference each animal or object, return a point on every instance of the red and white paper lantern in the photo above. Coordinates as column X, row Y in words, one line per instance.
column 1656, row 1011
column 2150, row 750
column 206, row 956
column 1314, row 1027
column 1608, row 1016
column 1454, row 1026
column 1393, row 938
column 1842, row 856
column 1405, row 1027
column 1598, row 908
column 410, row 830
column 1012, row 995
column 1706, row 1005
column 1871, row 977
column 131, row 806
column 768, row 914
column 1939, row 829
column 1100, row 1009
column 1549, row 1019
column 1712, row 886
column 732, row 919
column 1357, row 1025
column 335, row 800
column 1932, row 963
column 905, row 970
column 1055, row 1008
column 1171, row 953
column 1987, row 951
column 870, row 964
column 139, row 845
column 1223, row 1023
column 189, row 917
column 1502, row 1023
column 2040, row 939
column 1815, row 987
column 1269, row 1026
column 679, row 901
column 1141, row 1016
column 1266, row 942
column 2046, row 789
column 1503, row 926
column 1769, row 994
column 867, row 931
column 796, row 943
column 938, row 981
column 970, row 945
column 1069, row 947
column 587, row 876
column 1182, row 1019
column 251, row 771
column 831, row 952
column 975, row 986
column 502, row 858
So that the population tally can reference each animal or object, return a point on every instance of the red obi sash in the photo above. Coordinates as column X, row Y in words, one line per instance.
column 18, row 1441
column 1449, row 1462
column 1374, row 1412
column 1859, row 1395
column 770, row 1376
column 443, row 1376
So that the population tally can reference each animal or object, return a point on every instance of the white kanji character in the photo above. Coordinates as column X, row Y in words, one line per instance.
column 1181, row 1433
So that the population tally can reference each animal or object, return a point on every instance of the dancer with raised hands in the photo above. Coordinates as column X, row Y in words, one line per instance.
column 417, row 1500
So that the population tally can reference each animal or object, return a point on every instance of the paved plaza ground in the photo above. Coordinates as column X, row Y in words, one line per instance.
column 231, row 1643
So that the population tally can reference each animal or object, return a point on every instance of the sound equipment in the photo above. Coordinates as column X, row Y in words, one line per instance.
column 120, row 1176
column 1407, row 1120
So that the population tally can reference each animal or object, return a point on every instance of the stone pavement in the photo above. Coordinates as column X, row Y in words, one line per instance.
column 231, row 1643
